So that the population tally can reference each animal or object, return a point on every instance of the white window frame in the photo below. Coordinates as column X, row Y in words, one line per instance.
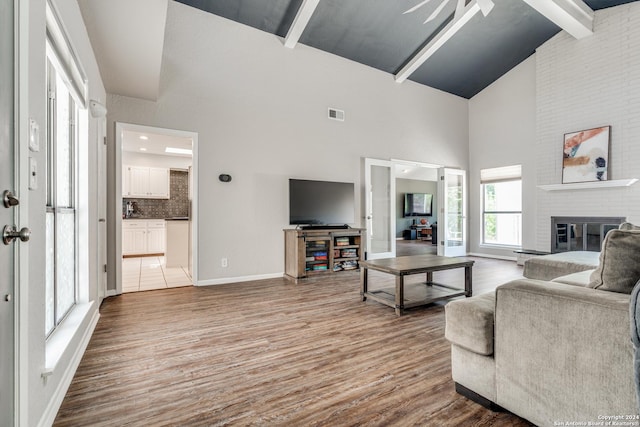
column 63, row 63
column 494, row 176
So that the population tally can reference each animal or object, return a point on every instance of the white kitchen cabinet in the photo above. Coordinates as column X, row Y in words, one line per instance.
column 159, row 179
column 142, row 237
column 156, row 237
column 145, row 182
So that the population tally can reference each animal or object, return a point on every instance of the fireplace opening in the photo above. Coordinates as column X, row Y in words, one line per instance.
column 580, row 233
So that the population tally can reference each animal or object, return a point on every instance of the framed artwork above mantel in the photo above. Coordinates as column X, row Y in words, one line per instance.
column 585, row 155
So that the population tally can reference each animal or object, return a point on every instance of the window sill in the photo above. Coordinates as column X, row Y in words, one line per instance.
column 60, row 339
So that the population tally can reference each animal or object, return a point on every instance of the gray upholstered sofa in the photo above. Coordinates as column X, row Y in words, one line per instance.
column 553, row 351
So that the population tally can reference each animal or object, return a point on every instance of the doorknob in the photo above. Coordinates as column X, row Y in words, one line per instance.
column 10, row 233
column 9, row 199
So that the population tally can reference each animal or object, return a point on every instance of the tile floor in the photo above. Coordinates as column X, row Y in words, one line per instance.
column 148, row 273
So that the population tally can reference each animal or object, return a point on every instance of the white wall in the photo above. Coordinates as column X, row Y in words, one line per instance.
column 260, row 111
column 502, row 133
column 583, row 84
column 40, row 398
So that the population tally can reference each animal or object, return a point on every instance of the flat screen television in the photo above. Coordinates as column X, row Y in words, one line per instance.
column 321, row 202
column 418, row 204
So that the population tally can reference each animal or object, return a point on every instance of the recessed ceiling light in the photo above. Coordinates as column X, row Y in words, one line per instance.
column 405, row 171
column 144, row 137
column 143, row 149
column 178, row 150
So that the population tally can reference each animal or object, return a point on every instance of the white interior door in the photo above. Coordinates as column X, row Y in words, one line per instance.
column 452, row 221
column 8, row 216
column 380, row 206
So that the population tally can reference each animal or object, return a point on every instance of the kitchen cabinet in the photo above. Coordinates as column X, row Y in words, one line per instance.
column 143, row 237
column 145, row 182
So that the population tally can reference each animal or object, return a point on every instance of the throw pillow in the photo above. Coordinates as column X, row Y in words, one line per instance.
column 628, row 226
column 619, row 267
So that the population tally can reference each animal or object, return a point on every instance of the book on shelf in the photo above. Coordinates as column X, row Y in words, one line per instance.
column 342, row 241
column 349, row 253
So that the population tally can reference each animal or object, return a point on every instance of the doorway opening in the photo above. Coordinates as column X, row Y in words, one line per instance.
column 156, row 208
column 416, row 201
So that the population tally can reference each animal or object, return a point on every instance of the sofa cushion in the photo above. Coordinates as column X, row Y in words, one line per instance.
column 581, row 278
column 619, row 267
column 547, row 267
column 469, row 323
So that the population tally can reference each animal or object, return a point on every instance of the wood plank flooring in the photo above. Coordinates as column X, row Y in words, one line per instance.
column 273, row 353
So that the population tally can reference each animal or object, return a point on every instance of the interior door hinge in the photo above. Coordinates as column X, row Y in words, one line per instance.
column 105, row 268
column 104, row 139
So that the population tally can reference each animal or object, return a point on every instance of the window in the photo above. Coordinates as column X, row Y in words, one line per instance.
column 61, row 235
column 66, row 95
column 502, row 206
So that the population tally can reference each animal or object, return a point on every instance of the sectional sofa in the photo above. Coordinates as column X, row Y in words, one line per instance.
column 554, row 350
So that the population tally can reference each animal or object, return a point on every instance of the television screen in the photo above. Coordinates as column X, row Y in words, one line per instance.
column 417, row 204
column 321, row 202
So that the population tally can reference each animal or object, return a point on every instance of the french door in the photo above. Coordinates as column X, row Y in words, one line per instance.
column 452, row 218
column 380, row 208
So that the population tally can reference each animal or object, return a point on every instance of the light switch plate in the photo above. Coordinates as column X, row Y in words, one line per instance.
column 34, row 135
column 33, row 174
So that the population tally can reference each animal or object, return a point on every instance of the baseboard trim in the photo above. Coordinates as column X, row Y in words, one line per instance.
column 111, row 292
column 480, row 255
column 238, row 279
column 49, row 415
column 481, row 400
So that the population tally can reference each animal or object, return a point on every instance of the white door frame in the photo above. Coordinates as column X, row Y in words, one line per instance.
column 120, row 128
column 21, row 281
column 101, row 204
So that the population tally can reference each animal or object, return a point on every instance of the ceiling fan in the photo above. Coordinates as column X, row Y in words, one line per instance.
column 485, row 7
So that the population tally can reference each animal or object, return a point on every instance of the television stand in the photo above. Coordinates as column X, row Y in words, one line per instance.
column 325, row 227
column 322, row 251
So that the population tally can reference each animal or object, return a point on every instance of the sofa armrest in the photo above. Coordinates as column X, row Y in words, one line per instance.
column 562, row 352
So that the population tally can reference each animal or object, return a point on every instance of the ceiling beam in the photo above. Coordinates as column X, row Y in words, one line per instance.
column 461, row 17
column 300, row 22
column 573, row 16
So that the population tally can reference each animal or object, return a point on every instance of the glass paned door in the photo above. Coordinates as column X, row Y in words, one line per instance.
column 380, row 190
column 452, row 219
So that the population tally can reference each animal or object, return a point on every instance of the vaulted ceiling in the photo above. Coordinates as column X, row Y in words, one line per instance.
column 378, row 33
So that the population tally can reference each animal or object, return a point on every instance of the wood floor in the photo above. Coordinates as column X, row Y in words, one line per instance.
column 273, row 353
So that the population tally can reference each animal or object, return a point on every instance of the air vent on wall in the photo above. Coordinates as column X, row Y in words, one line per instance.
column 335, row 114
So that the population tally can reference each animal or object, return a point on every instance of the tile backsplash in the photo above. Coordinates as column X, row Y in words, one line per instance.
column 176, row 206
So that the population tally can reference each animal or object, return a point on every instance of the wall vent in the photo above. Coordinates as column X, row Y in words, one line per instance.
column 335, row 114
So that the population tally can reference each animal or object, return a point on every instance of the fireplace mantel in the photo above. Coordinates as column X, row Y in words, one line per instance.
column 589, row 185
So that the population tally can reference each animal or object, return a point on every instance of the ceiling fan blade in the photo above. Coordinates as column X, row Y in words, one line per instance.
column 437, row 11
column 485, row 6
column 416, row 7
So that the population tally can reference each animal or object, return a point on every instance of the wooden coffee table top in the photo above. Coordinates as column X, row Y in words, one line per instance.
column 405, row 265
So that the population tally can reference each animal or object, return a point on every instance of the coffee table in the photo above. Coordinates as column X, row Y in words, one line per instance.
column 407, row 265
